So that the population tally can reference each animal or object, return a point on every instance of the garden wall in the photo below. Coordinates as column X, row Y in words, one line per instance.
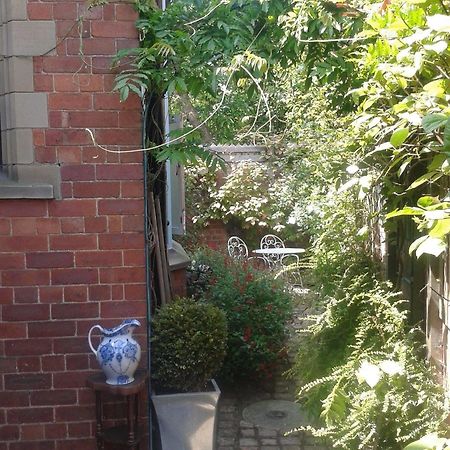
column 70, row 262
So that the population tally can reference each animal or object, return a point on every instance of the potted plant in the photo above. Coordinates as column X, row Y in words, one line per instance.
column 188, row 347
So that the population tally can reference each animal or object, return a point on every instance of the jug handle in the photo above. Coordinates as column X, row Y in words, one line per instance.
column 89, row 338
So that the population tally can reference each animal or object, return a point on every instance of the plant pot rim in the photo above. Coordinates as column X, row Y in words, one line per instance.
column 216, row 390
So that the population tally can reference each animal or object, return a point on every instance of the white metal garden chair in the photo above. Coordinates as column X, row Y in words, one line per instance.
column 238, row 250
column 275, row 260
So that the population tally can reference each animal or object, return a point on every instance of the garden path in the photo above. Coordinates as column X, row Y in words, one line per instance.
column 234, row 433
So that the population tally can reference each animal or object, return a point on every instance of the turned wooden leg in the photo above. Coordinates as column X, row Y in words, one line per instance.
column 131, row 443
column 98, row 413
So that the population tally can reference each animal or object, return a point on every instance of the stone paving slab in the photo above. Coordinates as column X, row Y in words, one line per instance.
column 234, row 433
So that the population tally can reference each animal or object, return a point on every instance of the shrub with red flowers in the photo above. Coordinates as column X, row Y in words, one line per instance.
column 257, row 308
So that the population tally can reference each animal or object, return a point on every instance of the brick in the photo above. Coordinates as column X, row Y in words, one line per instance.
column 55, row 431
column 16, row 399
column 133, row 223
column 9, row 433
column 73, row 242
column 75, row 294
column 92, row 46
column 120, row 241
column 85, row 444
column 70, row 414
column 74, row 276
column 82, row 429
column 72, row 225
column 111, row 29
column 115, row 137
column 40, row 11
column 7, row 365
column 96, row 190
column 6, row 295
column 73, row 311
column 120, row 206
column 98, row 259
column 53, row 363
column 43, row 82
column 65, row 346
column 117, row 292
column 130, row 119
column 65, row 380
column 5, row 227
column 77, row 137
column 22, row 208
column 36, row 445
column 66, row 190
column 53, row 397
column 54, row 137
column 119, row 172
column 134, row 258
column 65, row 10
column 25, row 313
column 48, row 226
column 132, row 189
column 114, row 224
column 23, row 226
column 77, row 362
column 28, row 294
column 122, row 309
column 95, row 224
column 50, row 294
column 12, row 261
column 23, row 347
column 13, row 330
column 78, row 173
column 49, row 259
column 23, row 243
column 99, row 292
column 126, row 12
column 103, row 65
column 91, row 83
column 29, row 364
column 94, row 119
column 51, row 329
column 45, row 154
column 32, row 432
column 111, row 101
column 69, row 101
column 28, row 382
column 63, row 64
column 122, row 275
column 38, row 137
column 30, row 415
column 69, row 154
column 135, row 292
column 25, row 277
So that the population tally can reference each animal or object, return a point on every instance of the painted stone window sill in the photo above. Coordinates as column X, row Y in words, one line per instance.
column 10, row 189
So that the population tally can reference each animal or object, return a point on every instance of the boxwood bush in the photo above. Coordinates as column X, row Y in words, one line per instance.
column 188, row 345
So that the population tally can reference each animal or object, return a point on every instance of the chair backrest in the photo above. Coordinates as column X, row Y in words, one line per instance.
column 271, row 241
column 237, row 248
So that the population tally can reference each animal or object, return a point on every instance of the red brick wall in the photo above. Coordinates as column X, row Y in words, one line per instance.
column 68, row 264
column 215, row 236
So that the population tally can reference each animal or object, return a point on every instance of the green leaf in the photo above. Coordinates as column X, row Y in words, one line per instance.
column 399, row 136
column 435, row 88
column 427, row 200
column 421, row 180
column 447, row 135
column 441, row 229
column 433, row 121
column 428, row 442
column 439, row 22
column 432, row 246
column 406, row 211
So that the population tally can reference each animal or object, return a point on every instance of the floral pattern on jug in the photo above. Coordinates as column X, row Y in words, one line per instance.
column 118, row 353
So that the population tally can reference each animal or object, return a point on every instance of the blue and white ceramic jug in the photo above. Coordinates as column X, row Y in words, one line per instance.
column 118, row 353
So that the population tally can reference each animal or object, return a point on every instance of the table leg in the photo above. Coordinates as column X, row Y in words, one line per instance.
column 136, row 415
column 131, row 404
column 99, row 426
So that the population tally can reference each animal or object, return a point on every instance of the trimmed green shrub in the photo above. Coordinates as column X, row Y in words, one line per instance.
column 257, row 308
column 188, row 345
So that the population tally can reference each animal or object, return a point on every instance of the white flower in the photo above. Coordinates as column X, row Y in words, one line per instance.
column 352, row 169
column 369, row 373
column 391, row 367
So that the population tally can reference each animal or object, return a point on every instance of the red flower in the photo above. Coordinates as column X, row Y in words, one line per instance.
column 247, row 334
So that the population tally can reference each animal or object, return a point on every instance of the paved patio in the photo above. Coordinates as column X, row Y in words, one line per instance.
column 234, row 433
